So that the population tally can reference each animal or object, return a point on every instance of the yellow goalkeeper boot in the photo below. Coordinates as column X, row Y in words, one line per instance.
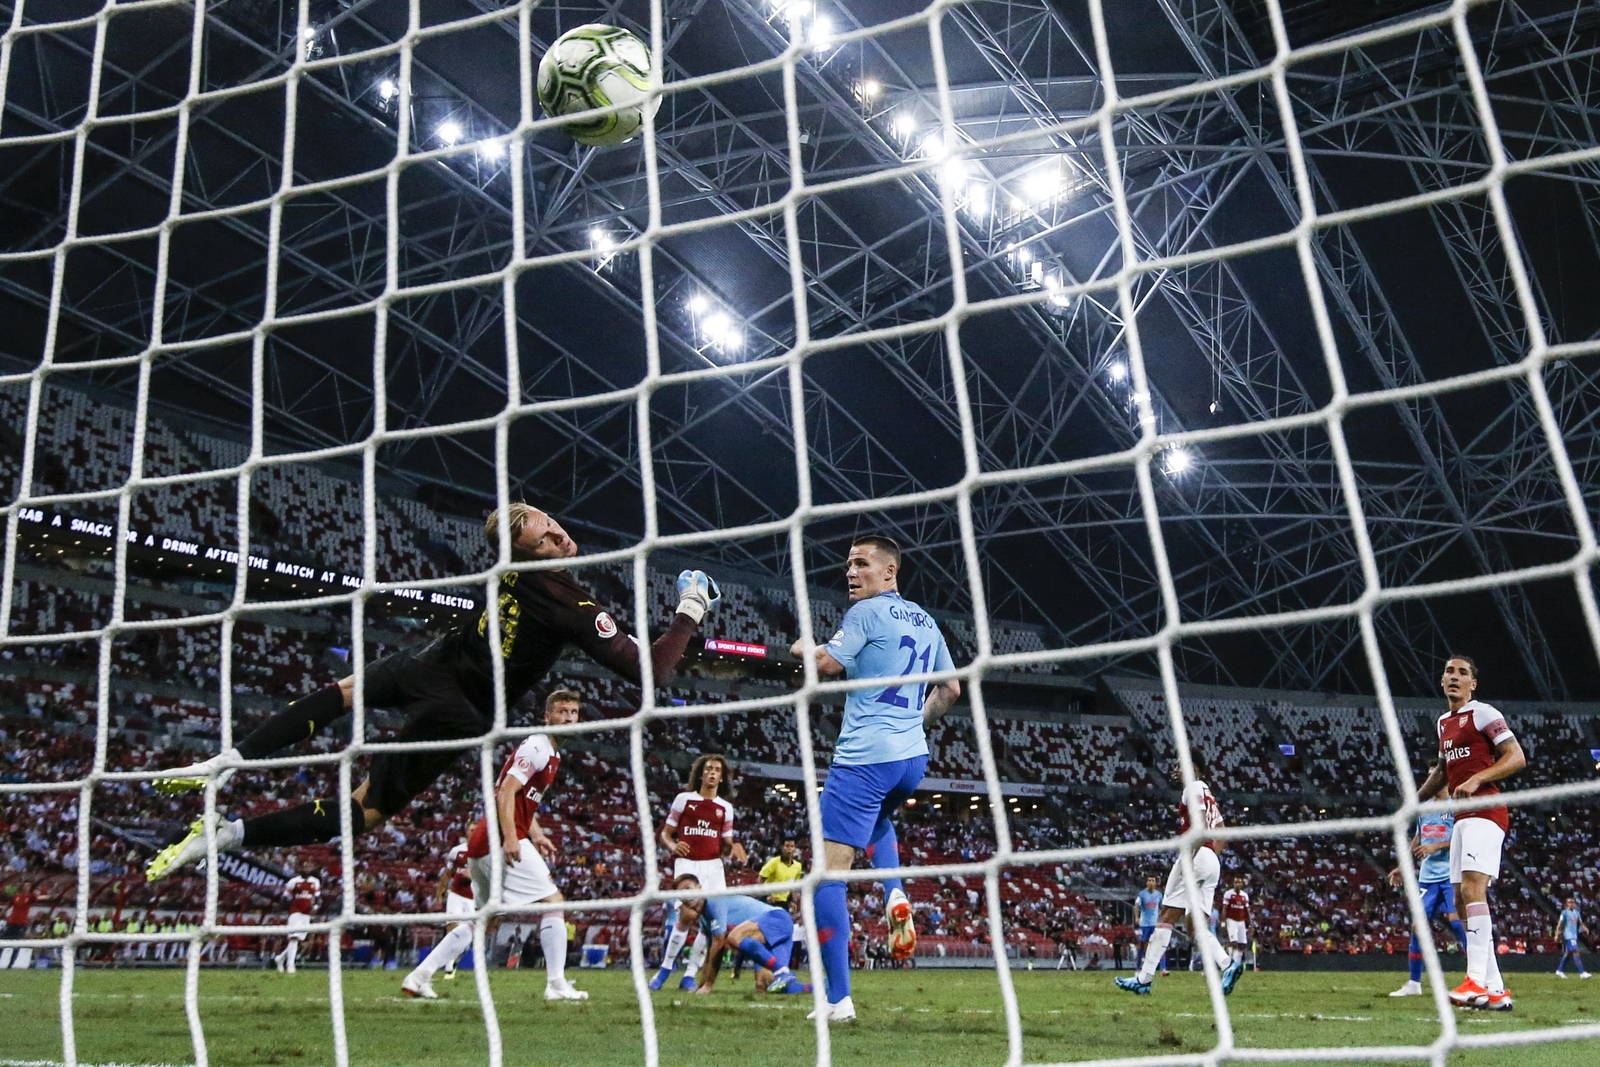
column 191, row 848
column 193, row 778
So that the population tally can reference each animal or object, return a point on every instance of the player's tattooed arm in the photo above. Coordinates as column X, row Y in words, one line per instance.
column 1509, row 759
column 505, row 797
column 827, row 666
column 1434, row 782
column 940, row 696
column 443, row 887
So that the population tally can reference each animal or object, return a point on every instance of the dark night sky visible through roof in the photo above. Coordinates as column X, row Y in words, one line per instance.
column 1450, row 487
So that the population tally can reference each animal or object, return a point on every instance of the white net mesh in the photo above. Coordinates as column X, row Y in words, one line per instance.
column 312, row 50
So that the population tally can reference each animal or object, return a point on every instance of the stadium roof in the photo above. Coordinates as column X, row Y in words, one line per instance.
column 1450, row 485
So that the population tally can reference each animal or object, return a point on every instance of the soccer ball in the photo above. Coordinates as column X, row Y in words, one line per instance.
column 598, row 66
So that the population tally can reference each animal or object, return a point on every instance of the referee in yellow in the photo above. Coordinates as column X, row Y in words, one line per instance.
column 784, row 867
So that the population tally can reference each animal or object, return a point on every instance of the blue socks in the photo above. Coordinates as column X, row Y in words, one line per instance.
column 884, row 851
column 758, row 953
column 833, row 931
column 1415, row 954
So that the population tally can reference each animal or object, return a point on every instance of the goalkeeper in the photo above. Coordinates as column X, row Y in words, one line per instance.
column 446, row 689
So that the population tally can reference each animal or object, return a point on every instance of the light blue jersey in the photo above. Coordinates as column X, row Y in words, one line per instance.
column 724, row 913
column 1149, row 904
column 1432, row 829
column 1570, row 921
column 886, row 637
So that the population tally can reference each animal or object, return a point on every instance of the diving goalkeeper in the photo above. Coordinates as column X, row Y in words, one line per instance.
column 446, row 689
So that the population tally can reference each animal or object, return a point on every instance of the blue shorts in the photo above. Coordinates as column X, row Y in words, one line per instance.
column 1438, row 899
column 1145, row 932
column 856, row 797
column 777, row 929
column 1572, row 945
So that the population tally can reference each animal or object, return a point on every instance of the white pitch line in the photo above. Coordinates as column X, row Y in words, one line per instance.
column 58, row 1063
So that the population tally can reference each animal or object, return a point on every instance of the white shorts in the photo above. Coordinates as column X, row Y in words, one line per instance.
column 1475, row 846
column 1207, row 871
column 1237, row 934
column 709, row 872
column 299, row 918
column 456, row 904
column 527, row 880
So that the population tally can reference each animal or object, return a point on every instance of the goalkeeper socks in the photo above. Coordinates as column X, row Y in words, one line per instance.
column 307, row 824
column 553, row 938
column 758, row 953
column 883, row 851
column 1154, row 950
column 833, row 932
column 300, row 721
column 1414, row 956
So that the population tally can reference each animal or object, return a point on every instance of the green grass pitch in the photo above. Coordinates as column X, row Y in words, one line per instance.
column 929, row 1018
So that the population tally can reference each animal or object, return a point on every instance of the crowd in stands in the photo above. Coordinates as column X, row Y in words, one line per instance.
column 1104, row 773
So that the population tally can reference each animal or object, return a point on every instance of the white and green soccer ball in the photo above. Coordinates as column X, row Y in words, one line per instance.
column 598, row 66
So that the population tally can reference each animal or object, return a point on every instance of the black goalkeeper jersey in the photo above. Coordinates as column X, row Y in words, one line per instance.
column 541, row 613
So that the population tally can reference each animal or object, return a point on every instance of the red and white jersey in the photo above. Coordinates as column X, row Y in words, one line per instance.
column 701, row 824
column 1467, row 740
column 460, row 877
column 1236, row 905
column 1208, row 805
column 303, row 893
column 533, row 765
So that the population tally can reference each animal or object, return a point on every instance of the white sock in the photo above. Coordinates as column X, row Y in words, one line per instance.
column 697, row 954
column 675, row 940
column 1237, row 955
column 1212, row 947
column 1495, row 984
column 1159, row 939
column 1479, row 947
column 553, row 936
column 448, row 950
column 289, row 952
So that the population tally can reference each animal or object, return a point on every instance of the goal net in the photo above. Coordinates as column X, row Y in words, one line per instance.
column 232, row 120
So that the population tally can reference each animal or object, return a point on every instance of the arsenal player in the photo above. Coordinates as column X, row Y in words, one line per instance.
column 699, row 832
column 454, row 893
column 446, row 688
column 1236, row 914
column 1177, row 899
column 1476, row 750
column 303, row 891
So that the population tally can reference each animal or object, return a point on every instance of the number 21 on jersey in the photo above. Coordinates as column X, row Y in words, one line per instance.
column 892, row 694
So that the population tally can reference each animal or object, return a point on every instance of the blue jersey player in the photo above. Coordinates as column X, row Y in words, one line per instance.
column 882, row 749
column 1568, row 927
column 1430, row 846
column 1148, row 906
column 753, row 929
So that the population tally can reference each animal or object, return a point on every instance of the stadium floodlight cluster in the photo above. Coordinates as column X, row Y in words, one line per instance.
column 813, row 37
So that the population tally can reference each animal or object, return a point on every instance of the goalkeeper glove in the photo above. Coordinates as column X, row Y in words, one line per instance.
column 697, row 594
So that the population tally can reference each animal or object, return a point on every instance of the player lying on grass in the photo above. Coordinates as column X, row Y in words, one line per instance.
column 763, row 934
column 1177, row 899
column 446, row 689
